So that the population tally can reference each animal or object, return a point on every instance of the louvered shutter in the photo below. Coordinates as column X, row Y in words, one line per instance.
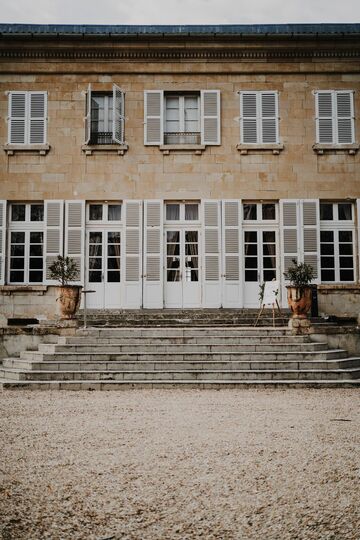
column 88, row 116
column 210, row 117
column 345, row 117
column 310, row 233
column 269, row 117
column 2, row 240
column 54, row 220
column 118, row 115
column 153, row 117
column 132, row 268
column 358, row 237
column 289, row 219
column 211, row 253
column 324, row 118
column 231, row 249
column 248, row 118
column 153, row 254
column 37, row 117
column 17, row 118
column 75, row 235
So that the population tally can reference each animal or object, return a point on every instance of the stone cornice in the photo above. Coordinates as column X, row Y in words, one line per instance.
column 164, row 54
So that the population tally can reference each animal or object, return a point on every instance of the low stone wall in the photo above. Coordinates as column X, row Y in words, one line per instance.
column 339, row 300
column 27, row 302
column 339, row 337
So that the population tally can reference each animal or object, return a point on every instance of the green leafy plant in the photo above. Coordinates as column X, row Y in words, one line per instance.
column 261, row 292
column 64, row 270
column 300, row 274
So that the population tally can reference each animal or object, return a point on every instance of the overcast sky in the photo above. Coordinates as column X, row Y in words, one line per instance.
column 178, row 11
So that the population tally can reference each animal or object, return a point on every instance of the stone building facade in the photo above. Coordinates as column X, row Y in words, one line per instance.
column 180, row 166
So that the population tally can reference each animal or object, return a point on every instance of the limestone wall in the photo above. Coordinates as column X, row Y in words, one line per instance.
column 27, row 302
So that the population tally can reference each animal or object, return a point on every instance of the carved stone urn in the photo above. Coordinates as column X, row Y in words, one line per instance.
column 299, row 300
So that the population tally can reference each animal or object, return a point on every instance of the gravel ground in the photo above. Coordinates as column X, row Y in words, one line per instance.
column 180, row 464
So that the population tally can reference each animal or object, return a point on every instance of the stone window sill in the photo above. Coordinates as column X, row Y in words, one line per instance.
column 8, row 290
column 42, row 149
column 253, row 148
column 322, row 148
column 119, row 149
column 197, row 149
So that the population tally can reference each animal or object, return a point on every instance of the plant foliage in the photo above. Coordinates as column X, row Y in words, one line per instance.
column 300, row 274
column 64, row 269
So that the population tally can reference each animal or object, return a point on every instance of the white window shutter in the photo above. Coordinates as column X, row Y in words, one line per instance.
column 211, row 253
column 2, row 240
column 88, row 116
column 324, row 117
column 153, row 117
column 289, row 229
column 210, row 117
column 118, row 115
column 358, row 237
column 54, row 222
column 75, row 235
column 248, row 118
column 132, row 264
column 153, row 254
column 269, row 117
column 37, row 117
column 310, row 232
column 345, row 117
column 231, row 239
column 17, row 118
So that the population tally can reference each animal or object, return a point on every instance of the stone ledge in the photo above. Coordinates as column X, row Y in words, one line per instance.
column 8, row 290
column 196, row 148
column 323, row 148
column 274, row 148
column 353, row 288
column 119, row 149
column 11, row 149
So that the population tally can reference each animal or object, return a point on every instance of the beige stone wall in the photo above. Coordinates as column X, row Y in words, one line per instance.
column 28, row 302
column 145, row 172
column 339, row 300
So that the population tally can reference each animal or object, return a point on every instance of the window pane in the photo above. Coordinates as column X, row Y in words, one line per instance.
column 327, row 275
column 113, row 250
column 35, row 276
column 249, row 211
column 191, row 212
column 36, row 237
column 250, row 262
column 17, row 250
column 113, row 277
column 345, row 211
column 327, row 262
column 251, row 237
column 269, row 262
column 251, row 275
column 95, row 238
column 36, row 263
column 327, row 249
column 37, row 212
column 326, row 211
column 114, row 212
column 94, row 277
column 95, row 250
column 173, row 262
column 269, row 275
column 95, row 212
column 346, row 275
column 114, row 237
column 17, row 263
column 173, row 236
column 95, row 263
column 250, row 249
column 346, row 262
column 18, row 212
column 113, row 263
column 345, row 249
column 345, row 236
column 269, row 236
column 268, row 211
column 173, row 212
column 36, row 250
column 17, row 277
column 326, row 236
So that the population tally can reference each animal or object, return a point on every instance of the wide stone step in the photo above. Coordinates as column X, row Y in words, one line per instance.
column 342, row 363
column 199, row 375
column 191, row 356
column 210, row 384
column 196, row 340
column 163, row 348
column 183, row 332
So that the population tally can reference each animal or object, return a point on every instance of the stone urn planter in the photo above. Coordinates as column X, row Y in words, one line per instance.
column 299, row 292
column 65, row 270
column 299, row 300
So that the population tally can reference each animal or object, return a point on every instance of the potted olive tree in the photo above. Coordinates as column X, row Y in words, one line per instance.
column 299, row 292
column 65, row 270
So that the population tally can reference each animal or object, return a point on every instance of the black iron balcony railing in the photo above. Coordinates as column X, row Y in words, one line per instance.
column 179, row 137
column 101, row 137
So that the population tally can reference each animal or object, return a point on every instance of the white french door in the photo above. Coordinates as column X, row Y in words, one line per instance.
column 260, row 262
column 103, row 269
column 182, row 280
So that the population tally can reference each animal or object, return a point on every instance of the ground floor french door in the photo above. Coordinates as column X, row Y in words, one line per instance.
column 182, row 280
column 103, row 268
column 260, row 262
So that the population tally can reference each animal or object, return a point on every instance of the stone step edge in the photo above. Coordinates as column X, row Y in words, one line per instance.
column 292, row 353
column 100, row 385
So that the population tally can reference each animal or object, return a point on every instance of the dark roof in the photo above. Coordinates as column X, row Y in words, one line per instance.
column 180, row 30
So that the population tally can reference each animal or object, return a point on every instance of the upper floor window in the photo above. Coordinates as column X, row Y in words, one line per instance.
column 27, row 118
column 177, row 118
column 26, row 212
column 104, row 212
column 259, row 211
column 259, row 118
column 104, row 122
column 342, row 211
column 335, row 117
column 181, row 211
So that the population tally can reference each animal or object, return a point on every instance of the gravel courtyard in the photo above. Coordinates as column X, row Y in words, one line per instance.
column 180, row 464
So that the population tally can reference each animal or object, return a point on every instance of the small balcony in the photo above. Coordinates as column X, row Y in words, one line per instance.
column 101, row 137
column 179, row 137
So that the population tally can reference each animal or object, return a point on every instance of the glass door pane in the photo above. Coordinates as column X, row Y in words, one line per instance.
column 251, row 255
column 191, row 256
column 269, row 255
column 95, row 257
column 113, row 257
column 173, row 267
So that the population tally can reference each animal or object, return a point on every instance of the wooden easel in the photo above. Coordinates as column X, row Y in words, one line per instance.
column 269, row 299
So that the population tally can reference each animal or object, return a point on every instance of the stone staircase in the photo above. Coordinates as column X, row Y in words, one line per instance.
column 200, row 356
